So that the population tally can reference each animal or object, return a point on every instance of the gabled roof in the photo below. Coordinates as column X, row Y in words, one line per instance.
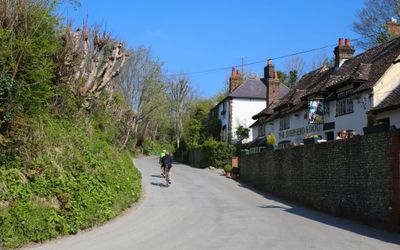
column 250, row 88
column 365, row 69
column 392, row 101
column 265, row 112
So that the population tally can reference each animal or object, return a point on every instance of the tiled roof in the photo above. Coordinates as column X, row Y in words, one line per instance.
column 392, row 101
column 366, row 68
column 265, row 112
column 250, row 88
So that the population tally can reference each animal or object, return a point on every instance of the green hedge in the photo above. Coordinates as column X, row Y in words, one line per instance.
column 74, row 180
column 215, row 153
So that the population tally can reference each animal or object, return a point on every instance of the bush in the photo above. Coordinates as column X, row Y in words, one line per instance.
column 228, row 168
column 215, row 153
column 71, row 179
column 235, row 171
column 271, row 139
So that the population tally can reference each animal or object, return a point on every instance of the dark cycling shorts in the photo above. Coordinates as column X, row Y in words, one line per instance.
column 169, row 166
column 162, row 165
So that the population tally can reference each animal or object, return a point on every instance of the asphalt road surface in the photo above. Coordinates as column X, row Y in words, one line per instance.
column 204, row 210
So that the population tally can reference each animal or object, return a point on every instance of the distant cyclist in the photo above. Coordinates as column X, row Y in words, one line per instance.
column 167, row 162
column 162, row 154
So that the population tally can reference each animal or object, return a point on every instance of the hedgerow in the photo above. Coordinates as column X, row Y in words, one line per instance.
column 75, row 180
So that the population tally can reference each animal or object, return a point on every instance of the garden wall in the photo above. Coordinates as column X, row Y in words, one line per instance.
column 356, row 178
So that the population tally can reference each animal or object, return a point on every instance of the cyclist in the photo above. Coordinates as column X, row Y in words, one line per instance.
column 162, row 154
column 167, row 161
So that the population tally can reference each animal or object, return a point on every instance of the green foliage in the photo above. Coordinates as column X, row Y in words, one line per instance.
column 235, row 171
column 195, row 127
column 74, row 179
column 214, row 126
column 215, row 153
column 371, row 120
column 242, row 133
column 228, row 168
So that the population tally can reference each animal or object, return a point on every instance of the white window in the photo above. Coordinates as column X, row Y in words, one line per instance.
column 284, row 123
column 344, row 103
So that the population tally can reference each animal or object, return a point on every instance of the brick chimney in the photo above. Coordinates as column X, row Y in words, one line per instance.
column 235, row 80
column 343, row 52
column 393, row 29
column 272, row 82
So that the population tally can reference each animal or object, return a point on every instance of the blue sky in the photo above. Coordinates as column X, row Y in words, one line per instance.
column 190, row 36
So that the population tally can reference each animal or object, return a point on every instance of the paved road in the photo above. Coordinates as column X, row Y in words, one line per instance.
column 203, row 210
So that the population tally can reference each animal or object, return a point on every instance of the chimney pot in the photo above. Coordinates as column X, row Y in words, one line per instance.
column 276, row 75
column 269, row 61
column 341, row 42
column 237, row 72
column 347, row 41
column 233, row 72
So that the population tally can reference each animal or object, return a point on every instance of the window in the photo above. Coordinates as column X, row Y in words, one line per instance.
column 344, row 103
column 261, row 130
column 223, row 112
column 284, row 123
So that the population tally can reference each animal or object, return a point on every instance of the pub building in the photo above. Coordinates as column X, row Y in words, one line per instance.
column 334, row 102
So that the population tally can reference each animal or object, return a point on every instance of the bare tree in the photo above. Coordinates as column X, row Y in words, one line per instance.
column 294, row 69
column 295, row 63
column 319, row 59
column 181, row 93
column 372, row 21
column 141, row 85
column 90, row 60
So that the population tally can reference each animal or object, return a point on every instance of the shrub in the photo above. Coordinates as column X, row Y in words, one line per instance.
column 74, row 180
column 235, row 171
column 271, row 139
column 215, row 153
column 228, row 168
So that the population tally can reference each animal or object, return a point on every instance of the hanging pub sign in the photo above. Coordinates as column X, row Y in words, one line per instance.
column 315, row 112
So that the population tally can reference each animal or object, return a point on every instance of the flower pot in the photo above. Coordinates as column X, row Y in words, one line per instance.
column 228, row 175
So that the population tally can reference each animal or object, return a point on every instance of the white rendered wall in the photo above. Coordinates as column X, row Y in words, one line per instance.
column 388, row 82
column 353, row 121
column 242, row 111
column 394, row 116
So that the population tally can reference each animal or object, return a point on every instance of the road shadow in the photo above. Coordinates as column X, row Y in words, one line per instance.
column 339, row 222
column 157, row 176
column 160, row 184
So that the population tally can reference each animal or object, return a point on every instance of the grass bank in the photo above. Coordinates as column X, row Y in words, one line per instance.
column 67, row 177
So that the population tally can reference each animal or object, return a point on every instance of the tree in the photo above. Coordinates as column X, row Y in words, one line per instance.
column 372, row 21
column 141, row 85
column 180, row 93
column 241, row 133
column 90, row 60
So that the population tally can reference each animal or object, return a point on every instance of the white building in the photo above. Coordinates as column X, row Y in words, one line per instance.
column 244, row 98
column 356, row 86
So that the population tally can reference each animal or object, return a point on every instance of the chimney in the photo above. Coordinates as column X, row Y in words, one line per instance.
column 393, row 29
column 343, row 52
column 272, row 82
column 269, row 70
column 235, row 80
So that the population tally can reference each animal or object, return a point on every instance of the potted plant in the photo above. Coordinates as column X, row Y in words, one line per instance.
column 235, row 172
column 271, row 141
column 374, row 126
column 311, row 139
column 228, row 170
